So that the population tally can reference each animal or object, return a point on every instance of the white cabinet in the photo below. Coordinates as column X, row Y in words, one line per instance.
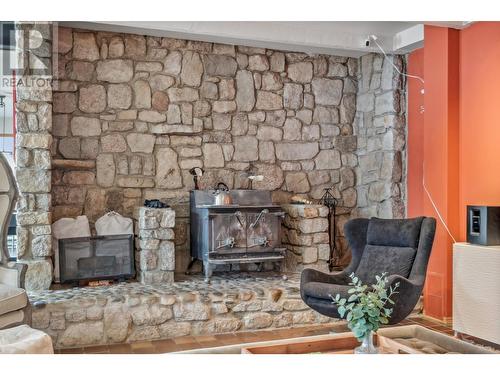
column 476, row 291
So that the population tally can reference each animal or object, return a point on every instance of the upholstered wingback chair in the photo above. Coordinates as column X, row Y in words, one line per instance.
column 399, row 247
column 14, row 305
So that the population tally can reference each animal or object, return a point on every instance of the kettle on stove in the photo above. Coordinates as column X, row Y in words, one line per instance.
column 221, row 195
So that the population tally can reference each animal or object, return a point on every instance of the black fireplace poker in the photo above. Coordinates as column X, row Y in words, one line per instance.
column 331, row 202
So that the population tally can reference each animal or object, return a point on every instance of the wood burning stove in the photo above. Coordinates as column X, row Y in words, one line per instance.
column 246, row 231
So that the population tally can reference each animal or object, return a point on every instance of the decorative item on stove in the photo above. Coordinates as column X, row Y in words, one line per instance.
column 246, row 231
column 296, row 199
column 221, row 194
column 330, row 201
column 155, row 203
column 253, row 178
column 196, row 172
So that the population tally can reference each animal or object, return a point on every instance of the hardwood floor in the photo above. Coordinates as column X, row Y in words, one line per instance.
column 194, row 342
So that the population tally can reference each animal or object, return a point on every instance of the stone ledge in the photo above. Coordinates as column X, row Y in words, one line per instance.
column 305, row 210
column 130, row 312
column 73, row 164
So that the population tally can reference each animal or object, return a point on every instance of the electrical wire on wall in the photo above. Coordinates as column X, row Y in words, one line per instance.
column 426, row 190
column 435, row 206
column 374, row 38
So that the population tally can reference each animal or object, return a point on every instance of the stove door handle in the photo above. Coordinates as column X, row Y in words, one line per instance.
column 264, row 211
column 238, row 214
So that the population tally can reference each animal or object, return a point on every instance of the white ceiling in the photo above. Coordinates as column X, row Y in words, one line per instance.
column 335, row 37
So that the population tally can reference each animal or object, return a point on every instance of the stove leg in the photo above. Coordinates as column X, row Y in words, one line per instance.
column 190, row 265
column 207, row 268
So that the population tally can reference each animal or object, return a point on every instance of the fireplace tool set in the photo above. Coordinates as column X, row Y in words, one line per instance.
column 331, row 202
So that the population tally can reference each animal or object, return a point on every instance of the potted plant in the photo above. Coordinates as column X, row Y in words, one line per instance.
column 366, row 309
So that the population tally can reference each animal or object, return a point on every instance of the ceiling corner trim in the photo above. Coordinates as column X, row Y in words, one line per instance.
column 409, row 39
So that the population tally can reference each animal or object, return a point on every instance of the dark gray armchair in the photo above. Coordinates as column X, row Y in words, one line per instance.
column 400, row 247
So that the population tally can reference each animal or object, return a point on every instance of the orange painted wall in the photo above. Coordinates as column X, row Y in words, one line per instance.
column 479, row 117
column 441, row 159
column 458, row 140
column 415, row 148
column 433, row 156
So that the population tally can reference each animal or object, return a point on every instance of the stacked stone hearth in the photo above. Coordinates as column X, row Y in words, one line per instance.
column 135, row 312
column 305, row 235
column 155, row 247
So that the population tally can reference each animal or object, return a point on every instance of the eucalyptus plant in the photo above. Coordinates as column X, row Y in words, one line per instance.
column 367, row 307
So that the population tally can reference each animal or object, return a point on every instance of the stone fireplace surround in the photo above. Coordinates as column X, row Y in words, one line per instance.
column 129, row 115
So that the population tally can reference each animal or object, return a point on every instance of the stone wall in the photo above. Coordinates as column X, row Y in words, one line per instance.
column 133, row 114
column 380, row 127
column 33, row 145
column 305, row 235
column 155, row 249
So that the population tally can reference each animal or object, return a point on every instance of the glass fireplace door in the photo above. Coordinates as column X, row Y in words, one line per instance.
column 227, row 233
column 263, row 231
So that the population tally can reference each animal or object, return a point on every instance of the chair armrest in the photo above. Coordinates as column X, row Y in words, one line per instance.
column 312, row 275
column 404, row 283
column 405, row 299
column 13, row 274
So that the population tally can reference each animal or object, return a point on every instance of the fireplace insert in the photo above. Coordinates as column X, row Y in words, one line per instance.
column 97, row 258
column 246, row 231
